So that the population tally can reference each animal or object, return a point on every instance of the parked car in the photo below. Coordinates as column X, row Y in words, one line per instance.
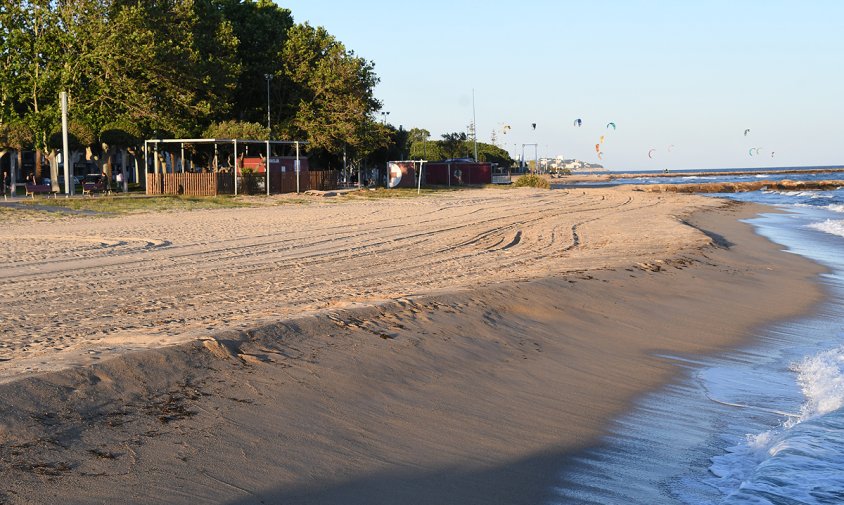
column 76, row 180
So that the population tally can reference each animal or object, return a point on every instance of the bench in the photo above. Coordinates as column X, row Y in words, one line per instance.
column 89, row 188
column 33, row 189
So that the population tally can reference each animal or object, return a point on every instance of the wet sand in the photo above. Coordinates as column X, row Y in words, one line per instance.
column 458, row 348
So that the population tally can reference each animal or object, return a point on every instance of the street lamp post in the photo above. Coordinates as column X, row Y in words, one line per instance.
column 384, row 117
column 268, row 77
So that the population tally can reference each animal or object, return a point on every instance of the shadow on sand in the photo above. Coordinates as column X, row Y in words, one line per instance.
column 527, row 481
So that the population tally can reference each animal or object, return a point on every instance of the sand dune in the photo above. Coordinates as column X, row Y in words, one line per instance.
column 460, row 348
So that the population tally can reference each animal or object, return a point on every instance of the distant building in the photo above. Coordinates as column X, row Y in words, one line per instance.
column 560, row 163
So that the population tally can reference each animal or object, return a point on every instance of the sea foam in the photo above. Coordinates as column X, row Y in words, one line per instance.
column 801, row 460
column 831, row 226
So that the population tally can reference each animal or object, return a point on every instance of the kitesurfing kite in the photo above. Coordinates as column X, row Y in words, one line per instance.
column 578, row 122
column 651, row 153
column 505, row 129
column 600, row 154
column 670, row 147
column 533, row 125
column 611, row 124
column 772, row 154
column 746, row 132
column 597, row 148
column 602, row 139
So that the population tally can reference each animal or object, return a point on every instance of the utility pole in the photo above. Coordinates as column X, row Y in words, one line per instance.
column 474, row 126
column 68, row 188
column 268, row 77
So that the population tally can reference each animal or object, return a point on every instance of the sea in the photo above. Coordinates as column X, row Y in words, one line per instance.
column 761, row 425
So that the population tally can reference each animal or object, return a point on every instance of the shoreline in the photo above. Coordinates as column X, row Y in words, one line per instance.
column 478, row 396
column 610, row 175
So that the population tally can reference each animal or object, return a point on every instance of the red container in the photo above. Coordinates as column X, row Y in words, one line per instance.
column 458, row 173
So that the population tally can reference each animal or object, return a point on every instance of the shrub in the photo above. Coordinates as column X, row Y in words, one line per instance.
column 532, row 181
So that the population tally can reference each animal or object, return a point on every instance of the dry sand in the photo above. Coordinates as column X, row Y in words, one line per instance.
column 457, row 348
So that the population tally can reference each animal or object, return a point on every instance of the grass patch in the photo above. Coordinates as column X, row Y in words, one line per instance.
column 9, row 213
column 532, row 181
column 136, row 204
column 376, row 193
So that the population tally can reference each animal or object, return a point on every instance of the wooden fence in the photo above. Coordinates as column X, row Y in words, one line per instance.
column 325, row 180
column 190, row 184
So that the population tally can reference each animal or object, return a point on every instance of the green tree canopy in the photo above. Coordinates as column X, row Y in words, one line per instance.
column 453, row 145
column 237, row 130
column 332, row 91
column 175, row 67
column 261, row 29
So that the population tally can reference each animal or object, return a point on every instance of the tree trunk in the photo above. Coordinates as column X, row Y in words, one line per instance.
column 53, row 160
column 124, row 153
column 13, row 175
column 38, row 165
column 108, row 154
column 19, row 165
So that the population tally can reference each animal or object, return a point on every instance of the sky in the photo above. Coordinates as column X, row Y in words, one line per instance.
column 684, row 78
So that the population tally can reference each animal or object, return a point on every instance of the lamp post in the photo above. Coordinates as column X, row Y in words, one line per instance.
column 384, row 117
column 268, row 77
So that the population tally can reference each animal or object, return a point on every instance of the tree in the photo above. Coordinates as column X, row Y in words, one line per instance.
column 167, row 66
column 80, row 137
column 120, row 135
column 32, row 66
column 427, row 150
column 17, row 136
column 454, row 144
column 261, row 30
column 174, row 67
column 13, row 44
column 418, row 135
column 332, row 92
column 237, row 130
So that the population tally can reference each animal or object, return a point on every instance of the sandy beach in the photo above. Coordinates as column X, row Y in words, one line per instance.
column 454, row 348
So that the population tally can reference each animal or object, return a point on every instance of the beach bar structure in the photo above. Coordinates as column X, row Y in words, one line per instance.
column 172, row 173
column 458, row 173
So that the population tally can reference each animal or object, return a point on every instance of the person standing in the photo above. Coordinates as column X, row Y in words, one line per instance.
column 5, row 183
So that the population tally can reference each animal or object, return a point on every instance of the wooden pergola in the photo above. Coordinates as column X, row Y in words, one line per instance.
column 216, row 142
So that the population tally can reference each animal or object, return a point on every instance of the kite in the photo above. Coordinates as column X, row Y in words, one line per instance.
column 651, row 153
column 597, row 148
column 611, row 124
column 600, row 153
column 578, row 122
column 602, row 139
column 533, row 125
column 746, row 132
